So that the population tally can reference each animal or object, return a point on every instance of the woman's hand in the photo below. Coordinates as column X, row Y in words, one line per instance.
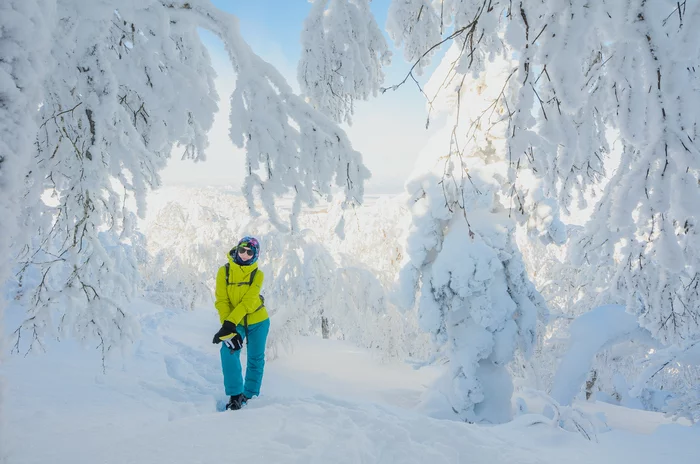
column 228, row 334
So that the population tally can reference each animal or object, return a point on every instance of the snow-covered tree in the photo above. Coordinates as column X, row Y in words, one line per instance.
column 581, row 70
column 107, row 128
column 343, row 51
column 309, row 292
column 113, row 108
column 645, row 226
column 577, row 73
column 474, row 295
column 463, row 270
column 680, row 365
column 24, row 39
column 372, row 235
column 187, row 235
column 569, row 291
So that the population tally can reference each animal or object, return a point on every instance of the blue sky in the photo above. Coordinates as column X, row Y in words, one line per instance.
column 278, row 23
column 388, row 131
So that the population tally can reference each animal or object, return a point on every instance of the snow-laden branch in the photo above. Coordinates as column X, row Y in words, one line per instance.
column 587, row 73
column 24, row 42
column 290, row 147
column 598, row 329
column 125, row 85
column 343, row 52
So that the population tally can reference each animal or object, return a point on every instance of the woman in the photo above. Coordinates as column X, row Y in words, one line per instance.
column 243, row 315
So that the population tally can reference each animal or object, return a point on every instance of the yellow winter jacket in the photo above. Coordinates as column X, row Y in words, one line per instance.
column 236, row 298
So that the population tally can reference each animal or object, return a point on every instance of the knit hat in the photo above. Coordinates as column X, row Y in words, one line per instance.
column 246, row 242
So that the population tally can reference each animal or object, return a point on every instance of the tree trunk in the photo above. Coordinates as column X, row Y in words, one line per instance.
column 590, row 383
column 325, row 330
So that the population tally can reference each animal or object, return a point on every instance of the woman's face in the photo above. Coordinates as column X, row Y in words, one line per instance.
column 245, row 253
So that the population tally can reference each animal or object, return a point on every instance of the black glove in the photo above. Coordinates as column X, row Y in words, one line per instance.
column 234, row 343
column 227, row 331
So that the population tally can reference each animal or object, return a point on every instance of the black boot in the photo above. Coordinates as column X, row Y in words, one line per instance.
column 236, row 402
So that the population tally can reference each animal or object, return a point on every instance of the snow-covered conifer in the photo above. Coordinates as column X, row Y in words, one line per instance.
column 463, row 270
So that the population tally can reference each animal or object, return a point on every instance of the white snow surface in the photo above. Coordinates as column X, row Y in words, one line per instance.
column 325, row 402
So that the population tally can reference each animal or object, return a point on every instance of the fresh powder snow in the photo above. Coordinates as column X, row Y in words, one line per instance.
column 325, row 401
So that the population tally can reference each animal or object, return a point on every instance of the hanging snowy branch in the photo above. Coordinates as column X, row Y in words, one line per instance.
column 113, row 110
column 586, row 73
column 108, row 119
column 646, row 223
column 24, row 42
column 343, row 52
column 290, row 147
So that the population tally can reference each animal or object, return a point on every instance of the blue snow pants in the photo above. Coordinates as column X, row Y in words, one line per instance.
column 231, row 362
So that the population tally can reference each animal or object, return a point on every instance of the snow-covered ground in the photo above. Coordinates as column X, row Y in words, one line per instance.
column 325, row 402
